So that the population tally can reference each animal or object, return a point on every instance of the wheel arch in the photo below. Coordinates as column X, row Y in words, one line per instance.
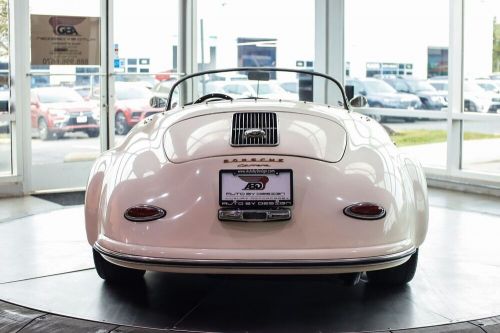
column 42, row 117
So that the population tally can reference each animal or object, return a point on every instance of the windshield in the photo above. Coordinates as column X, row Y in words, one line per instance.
column 131, row 91
column 266, row 88
column 255, row 83
column 417, row 86
column 473, row 87
column 488, row 86
column 58, row 95
column 378, row 86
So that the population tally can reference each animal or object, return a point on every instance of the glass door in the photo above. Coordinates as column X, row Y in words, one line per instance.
column 65, row 91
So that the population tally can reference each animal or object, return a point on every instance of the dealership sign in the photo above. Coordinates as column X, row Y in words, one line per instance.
column 64, row 40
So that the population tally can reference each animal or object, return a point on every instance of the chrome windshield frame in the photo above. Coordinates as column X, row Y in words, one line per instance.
column 255, row 69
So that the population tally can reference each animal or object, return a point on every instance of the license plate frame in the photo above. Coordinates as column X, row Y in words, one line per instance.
column 251, row 196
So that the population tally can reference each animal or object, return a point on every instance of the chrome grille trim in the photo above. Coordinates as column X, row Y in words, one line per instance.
column 244, row 121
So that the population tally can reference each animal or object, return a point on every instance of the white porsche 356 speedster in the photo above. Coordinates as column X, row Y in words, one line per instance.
column 227, row 181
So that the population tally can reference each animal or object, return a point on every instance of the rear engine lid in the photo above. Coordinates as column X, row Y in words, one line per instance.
column 226, row 134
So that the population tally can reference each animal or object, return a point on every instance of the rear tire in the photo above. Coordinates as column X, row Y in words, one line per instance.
column 93, row 133
column 470, row 106
column 121, row 125
column 43, row 130
column 114, row 273
column 395, row 276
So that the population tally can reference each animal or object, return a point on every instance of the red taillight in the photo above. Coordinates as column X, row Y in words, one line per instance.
column 144, row 213
column 365, row 211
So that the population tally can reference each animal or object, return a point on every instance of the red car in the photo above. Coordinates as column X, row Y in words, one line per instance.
column 58, row 110
column 131, row 105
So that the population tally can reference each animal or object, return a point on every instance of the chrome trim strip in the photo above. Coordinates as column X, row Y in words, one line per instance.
column 245, row 215
column 232, row 263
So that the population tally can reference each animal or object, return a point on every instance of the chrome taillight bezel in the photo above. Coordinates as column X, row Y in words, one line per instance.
column 381, row 214
column 160, row 212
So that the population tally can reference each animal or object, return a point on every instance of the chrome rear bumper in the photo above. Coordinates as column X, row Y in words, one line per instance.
column 255, row 265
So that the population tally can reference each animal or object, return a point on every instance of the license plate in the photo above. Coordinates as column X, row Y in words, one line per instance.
column 81, row 119
column 256, row 188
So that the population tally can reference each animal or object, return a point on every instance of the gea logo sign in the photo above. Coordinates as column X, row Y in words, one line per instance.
column 65, row 30
column 65, row 25
column 255, row 183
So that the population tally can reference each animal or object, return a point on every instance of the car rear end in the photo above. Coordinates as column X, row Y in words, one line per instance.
column 242, row 201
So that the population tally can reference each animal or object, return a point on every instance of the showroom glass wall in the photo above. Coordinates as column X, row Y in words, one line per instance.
column 481, row 82
column 379, row 40
column 395, row 57
column 270, row 43
column 449, row 62
column 232, row 33
column 5, row 115
column 145, row 43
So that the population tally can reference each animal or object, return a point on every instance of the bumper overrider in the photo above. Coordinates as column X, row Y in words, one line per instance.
column 242, row 266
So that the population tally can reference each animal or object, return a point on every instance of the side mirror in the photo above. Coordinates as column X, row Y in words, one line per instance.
column 359, row 102
column 157, row 102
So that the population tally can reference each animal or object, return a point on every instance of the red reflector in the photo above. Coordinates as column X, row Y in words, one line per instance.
column 365, row 211
column 144, row 213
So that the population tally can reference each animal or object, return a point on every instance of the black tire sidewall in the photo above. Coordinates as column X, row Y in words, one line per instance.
column 114, row 273
column 398, row 275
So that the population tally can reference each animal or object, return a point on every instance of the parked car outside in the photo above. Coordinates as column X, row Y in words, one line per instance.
column 228, row 77
column 265, row 89
column 290, row 86
column 59, row 110
column 4, row 108
column 476, row 99
column 492, row 86
column 131, row 105
column 146, row 80
column 381, row 95
column 162, row 89
column 430, row 98
column 495, row 76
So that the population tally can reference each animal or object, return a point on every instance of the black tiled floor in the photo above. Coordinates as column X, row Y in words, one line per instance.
column 304, row 304
column 160, row 301
column 13, row 318
column 56, row 324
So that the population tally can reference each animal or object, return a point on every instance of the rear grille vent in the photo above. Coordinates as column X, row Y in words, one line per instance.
column 255, row 129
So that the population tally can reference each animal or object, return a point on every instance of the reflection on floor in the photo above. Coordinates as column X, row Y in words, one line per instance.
column 46, row 265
